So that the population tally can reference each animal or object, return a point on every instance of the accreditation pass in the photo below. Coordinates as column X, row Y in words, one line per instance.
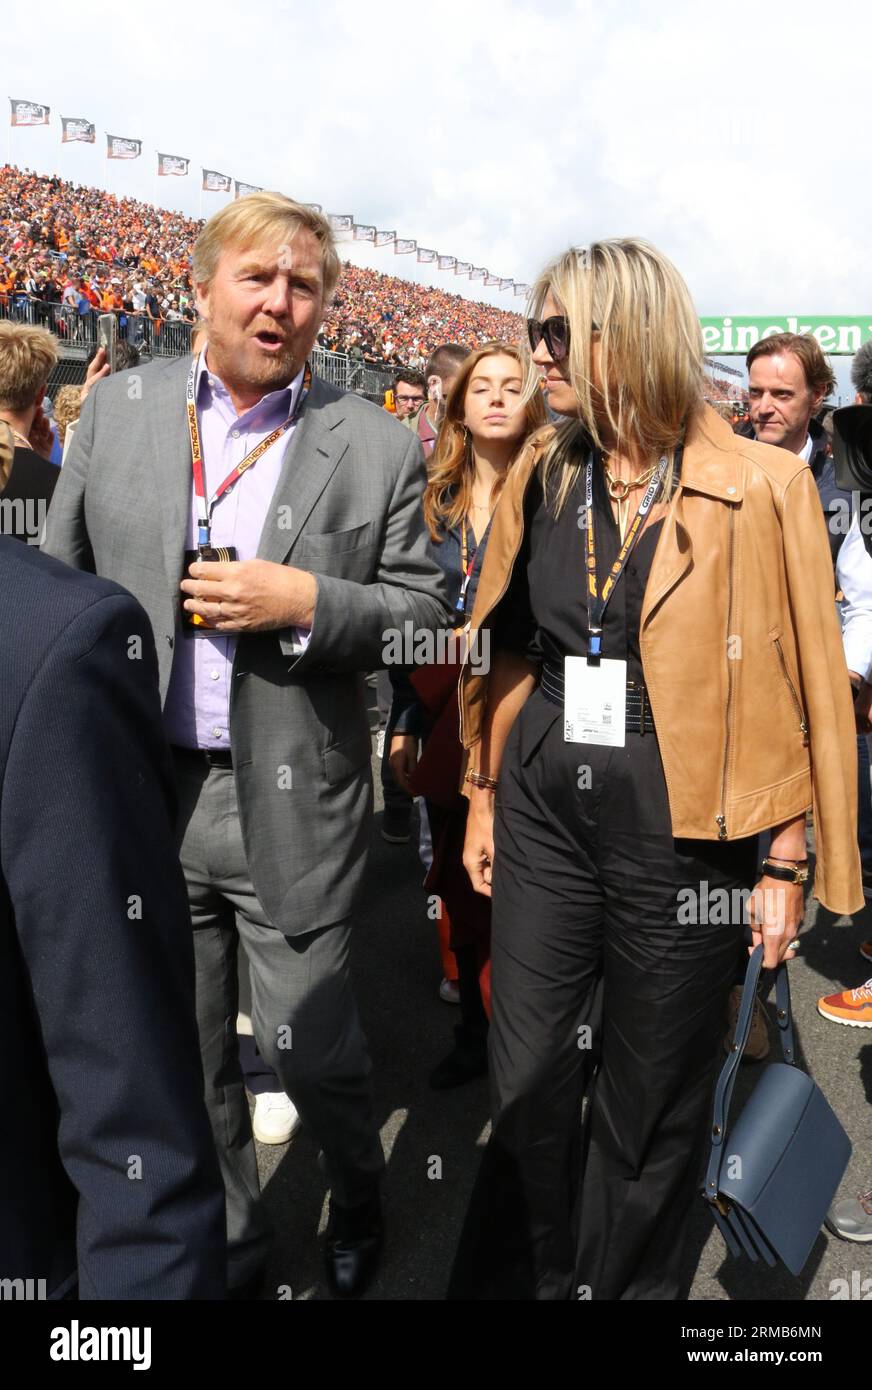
column 595, row 701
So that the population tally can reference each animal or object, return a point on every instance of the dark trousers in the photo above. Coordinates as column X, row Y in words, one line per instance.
column 395, row 798
column 258, row 1075
column 303, row 1015
column 600, row 985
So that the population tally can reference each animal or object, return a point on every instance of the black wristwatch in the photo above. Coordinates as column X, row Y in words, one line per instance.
column 794, row 874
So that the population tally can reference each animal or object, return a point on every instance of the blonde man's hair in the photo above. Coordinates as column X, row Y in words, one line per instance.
column 260, row 217
column 651, row 352
column 27, row 356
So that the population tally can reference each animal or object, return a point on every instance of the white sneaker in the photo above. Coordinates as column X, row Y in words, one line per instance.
column 449, row 991
column 275, row 1117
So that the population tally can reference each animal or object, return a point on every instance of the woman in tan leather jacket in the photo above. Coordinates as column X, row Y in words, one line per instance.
column 667, row 681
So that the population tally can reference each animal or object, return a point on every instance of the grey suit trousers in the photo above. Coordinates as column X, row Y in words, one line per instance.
column 304, row 1018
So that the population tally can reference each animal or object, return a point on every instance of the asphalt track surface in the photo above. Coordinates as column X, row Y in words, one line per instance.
column 397, row 974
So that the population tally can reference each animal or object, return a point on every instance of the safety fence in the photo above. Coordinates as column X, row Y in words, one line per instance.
column 77, row 336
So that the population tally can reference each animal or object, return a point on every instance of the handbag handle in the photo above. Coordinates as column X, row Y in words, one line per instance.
column 727, row 1078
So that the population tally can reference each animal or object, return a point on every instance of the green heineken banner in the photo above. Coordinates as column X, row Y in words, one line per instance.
column 841, row 334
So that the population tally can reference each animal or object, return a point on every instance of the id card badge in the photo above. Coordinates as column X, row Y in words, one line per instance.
column 192, row 624
column 595, row 701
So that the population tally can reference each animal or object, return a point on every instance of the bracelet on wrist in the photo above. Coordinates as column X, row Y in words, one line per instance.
column 779, row 859
column 796, row 874
column 480, row 779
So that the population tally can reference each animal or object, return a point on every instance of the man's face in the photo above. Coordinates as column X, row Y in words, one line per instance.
column 408, row 399
column 448, row 380
column 438, row 391
column 781, row 402
column 264, row 306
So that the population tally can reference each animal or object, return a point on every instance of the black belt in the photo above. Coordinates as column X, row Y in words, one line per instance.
column 638, row 715
column 208, row 757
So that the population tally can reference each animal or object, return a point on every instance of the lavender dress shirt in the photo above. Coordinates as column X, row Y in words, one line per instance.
column 197, row 709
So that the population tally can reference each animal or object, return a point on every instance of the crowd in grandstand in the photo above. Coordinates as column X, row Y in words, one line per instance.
column 77, row 250
column 384, row 319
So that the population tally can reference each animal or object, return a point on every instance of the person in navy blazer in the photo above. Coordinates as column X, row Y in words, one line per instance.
column 109, row 1181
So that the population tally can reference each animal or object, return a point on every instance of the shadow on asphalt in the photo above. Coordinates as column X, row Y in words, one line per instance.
column 396, row 971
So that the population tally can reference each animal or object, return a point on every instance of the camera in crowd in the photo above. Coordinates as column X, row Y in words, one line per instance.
column 852, row 448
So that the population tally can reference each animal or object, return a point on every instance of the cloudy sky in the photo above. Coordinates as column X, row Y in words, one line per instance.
column 732, row 135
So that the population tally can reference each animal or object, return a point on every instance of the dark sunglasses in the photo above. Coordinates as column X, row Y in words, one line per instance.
column 555, row 331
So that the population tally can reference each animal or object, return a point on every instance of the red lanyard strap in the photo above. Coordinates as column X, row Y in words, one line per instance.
column 466, row 560
column 467, row 565
column 204, row 509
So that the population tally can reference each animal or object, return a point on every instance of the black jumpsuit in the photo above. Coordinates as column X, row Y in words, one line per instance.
column 599, row 981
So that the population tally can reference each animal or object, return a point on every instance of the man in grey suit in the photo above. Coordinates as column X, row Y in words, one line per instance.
column 304, row 505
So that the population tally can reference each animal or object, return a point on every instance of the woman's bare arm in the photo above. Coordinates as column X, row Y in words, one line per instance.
column 511, row 682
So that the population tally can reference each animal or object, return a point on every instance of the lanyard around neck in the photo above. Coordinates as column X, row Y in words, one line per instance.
column 596, row 601
column 204, row 507
column 467, row 563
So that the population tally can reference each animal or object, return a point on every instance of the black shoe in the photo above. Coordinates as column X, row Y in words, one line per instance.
column 466, row 1061
column 352, row 1246
column 396, row 825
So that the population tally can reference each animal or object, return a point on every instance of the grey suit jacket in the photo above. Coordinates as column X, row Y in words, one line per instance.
column 347, row 507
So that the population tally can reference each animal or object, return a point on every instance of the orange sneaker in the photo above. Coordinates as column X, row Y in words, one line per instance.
column 852, row 1006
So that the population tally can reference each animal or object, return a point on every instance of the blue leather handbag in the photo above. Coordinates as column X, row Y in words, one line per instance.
column 771, row 1178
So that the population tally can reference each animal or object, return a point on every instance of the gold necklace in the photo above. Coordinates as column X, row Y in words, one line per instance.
column 620, row 487
column 619, row 491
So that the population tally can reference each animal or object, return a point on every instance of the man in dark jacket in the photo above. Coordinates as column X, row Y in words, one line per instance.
column 109, row 1180
column 788, row 380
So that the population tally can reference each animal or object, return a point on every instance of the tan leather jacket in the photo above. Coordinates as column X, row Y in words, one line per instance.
column 740, row 647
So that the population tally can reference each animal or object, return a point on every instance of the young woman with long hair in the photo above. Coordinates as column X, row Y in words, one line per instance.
column 666, row 683
column 494, row 406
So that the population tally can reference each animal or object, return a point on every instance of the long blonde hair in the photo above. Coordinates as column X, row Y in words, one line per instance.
column 651, row 352
column 448, row 494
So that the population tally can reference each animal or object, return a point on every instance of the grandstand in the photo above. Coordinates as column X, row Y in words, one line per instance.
column 68, row 253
